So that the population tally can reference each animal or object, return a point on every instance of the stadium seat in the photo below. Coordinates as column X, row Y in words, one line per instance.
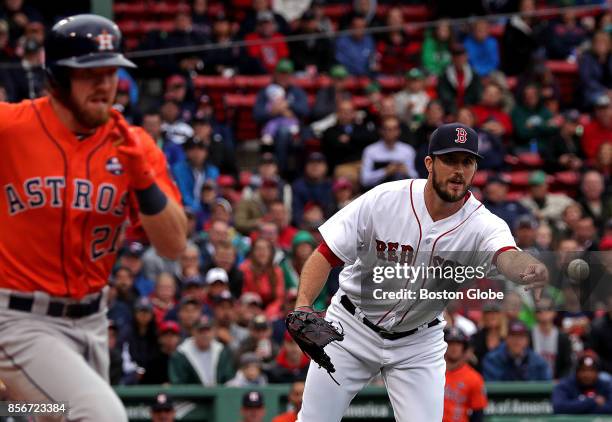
column 567, row 75
column 519, row 179
column 530, row 160
column 480, row 178
column 239, row 109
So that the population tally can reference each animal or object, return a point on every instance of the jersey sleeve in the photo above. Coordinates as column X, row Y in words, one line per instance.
column 163, row 177
column 345, row 231
column 496, row 237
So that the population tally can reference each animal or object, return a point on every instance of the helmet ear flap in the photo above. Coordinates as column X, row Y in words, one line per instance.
column 58, row 79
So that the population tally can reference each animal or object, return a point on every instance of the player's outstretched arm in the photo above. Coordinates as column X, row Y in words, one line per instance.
column 522, row 268
column 312, row 279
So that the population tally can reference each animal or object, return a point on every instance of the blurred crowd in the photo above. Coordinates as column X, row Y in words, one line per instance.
column 216, row 315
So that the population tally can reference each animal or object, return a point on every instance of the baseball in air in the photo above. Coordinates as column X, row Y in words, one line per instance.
column 578, row 270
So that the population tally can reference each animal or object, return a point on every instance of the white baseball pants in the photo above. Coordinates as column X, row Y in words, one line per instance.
column 412, row 367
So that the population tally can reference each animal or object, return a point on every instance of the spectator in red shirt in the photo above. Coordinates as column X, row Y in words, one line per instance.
column 490, row 114
column 263, row 277
column 270, row 45
column 394, row 50
column 280, row 217
column 599, row 130
column 464, row 393
column 290, row 364
column 163, row 296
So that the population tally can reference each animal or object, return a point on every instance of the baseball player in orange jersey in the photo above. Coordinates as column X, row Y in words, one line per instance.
column 72, row 172
column 464, row 393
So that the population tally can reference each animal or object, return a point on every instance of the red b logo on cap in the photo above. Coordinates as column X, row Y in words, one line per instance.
column 461, row 135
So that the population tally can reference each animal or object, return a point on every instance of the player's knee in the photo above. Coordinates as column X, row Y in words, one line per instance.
column 103, row 407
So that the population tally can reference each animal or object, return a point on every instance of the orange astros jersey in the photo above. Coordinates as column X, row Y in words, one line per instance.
column 464, row 391
column 63, row 201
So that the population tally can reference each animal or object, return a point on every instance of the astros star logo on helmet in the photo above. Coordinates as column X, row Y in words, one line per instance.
column 105, row 41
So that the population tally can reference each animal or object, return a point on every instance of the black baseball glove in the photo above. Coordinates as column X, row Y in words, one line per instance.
column 312, row 333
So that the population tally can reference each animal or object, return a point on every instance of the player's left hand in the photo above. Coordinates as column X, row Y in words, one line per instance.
column 535, row 277
column 132, row 154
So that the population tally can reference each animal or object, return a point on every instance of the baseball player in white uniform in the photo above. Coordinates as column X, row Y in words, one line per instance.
column 415, row 222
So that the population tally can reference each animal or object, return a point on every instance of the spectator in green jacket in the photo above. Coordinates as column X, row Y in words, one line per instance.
column 201, row 359
column 435, row 54
column 533, row 123
column 302, row 246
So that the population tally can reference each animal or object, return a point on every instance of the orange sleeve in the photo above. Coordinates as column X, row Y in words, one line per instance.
column 163, row 178
column 478, row 394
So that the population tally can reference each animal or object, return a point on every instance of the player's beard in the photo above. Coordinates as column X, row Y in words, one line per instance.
column 443, row 193
column 90, row 118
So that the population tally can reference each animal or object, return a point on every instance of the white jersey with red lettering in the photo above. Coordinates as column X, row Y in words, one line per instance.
column 390, row 225
column 387, row 226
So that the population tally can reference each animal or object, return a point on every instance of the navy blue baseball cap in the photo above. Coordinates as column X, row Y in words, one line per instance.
column 453, row 137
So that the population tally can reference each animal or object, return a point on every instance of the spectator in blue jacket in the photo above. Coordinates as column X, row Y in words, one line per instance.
column 356, row 52
column 495, row 192
column 482, row 48
column 191, row 174
column 152, row 123
column 595, row 69
column 513, row 360
column 295, row 96
column 314, row 186
column 583, row 392
column 287, row 139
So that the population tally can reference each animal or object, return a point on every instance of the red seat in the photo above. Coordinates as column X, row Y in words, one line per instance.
column 480, row 178
column 530, row 160
column 252, row 84
column 568, row 178
column 137, row 9
column 239, row 108
column 391, row 84
column 170, row 9
column 336, row 11
column 209, row 83
column 519, row 178
column 567, row 75
column 516, row 195
column 360, row 101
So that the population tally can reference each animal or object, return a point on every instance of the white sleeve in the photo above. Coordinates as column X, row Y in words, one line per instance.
column 495, row 238
column 344, row 232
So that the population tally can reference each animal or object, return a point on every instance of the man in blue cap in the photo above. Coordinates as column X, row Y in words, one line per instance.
column 392, row 320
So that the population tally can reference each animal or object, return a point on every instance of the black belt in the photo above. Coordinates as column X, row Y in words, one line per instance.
column 388, row 335
column 57, row 309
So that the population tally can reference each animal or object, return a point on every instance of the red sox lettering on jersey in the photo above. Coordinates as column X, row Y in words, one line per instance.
column 391, row 223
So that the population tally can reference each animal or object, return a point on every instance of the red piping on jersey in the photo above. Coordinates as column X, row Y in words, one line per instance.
column 504, row 249
column 433, row 248
column 329, row 255
column 418, row 222
column 415, row 254
column 64, row 197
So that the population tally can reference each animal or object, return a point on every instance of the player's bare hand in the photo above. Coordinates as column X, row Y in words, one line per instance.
column 131, row 153
column 535, row 277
